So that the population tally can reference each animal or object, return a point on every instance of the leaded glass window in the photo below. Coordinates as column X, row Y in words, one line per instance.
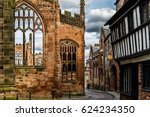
column 28, row 36
column 68, row 60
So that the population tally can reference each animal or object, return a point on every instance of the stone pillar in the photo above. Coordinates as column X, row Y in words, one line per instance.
column 7, row 49
column 1, row 42
column 57, row 66
column 82, row 11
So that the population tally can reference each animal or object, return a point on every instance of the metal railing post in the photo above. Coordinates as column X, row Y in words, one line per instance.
column 4, row 94
column 30, row 96
column 69, row 94
column 17, row 95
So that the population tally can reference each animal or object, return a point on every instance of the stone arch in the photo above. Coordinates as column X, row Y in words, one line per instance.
column 69, row 40
column 114, row 78
column 27, row 2
column 34, row 24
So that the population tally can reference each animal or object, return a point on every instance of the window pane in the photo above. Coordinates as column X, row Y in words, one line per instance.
column 74, row 56
column 18, row 48
column 146, row 76
column 64, row 56
column 18, row 58
column 64, row 68
column 127, row 79
column 29, row 48
column 68, row 55
column 69, row 67
column 74, row 67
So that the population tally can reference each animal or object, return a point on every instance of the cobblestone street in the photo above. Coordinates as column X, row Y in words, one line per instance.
column 95, row 95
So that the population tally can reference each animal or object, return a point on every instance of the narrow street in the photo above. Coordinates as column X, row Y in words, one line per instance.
column 95, row 95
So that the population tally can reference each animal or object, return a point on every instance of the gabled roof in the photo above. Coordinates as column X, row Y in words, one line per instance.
column 106, row 32
column 121, row 11
column 94, row 48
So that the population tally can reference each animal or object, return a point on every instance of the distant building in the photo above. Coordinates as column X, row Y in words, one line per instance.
column 28, row 55
column 104, row 70
column 111, row 68
column 94, row 66
column 87, row 77
column 130, row 40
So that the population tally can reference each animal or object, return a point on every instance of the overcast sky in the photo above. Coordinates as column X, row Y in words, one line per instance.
column 97, row 13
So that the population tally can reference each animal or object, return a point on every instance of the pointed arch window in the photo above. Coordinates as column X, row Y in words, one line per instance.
column 28, row 35
column 68, row 60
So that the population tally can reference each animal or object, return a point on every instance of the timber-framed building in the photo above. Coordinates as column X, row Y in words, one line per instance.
column 130, row 38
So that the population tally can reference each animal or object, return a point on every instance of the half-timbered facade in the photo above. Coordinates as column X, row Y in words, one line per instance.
column 130, row 38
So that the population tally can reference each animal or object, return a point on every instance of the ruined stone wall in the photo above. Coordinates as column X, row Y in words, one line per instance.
column 1, row 43
column 76, row 34
column 41, row 80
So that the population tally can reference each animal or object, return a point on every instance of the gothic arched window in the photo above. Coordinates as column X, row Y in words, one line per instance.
column 28, row 34
column 68, row 60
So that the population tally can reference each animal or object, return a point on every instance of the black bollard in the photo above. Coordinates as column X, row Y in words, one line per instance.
column 69, row 94
column 53, row 93
column 4, row 95
column 17, row 95
column 30, row 95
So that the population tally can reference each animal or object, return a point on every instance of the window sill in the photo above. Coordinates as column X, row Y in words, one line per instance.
column 30, row 67
column 146, row 90
column 67, row 82
column 126, row 94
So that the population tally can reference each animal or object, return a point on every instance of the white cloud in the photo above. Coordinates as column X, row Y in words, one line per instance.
column 97, row 18
column 67, row 4
column 102, row 14
column 70, row 5
column 90, row 38
column 74, row 5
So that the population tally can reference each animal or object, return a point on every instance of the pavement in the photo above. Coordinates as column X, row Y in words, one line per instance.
column 95, row 95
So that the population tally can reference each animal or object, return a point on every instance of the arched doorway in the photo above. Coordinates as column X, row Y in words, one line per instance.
column 114, row 78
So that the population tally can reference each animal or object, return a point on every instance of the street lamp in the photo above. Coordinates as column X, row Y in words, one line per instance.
column 109, row 57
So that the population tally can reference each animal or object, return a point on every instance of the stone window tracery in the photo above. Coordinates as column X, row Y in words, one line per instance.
column 68, row 60
column 28, row 35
